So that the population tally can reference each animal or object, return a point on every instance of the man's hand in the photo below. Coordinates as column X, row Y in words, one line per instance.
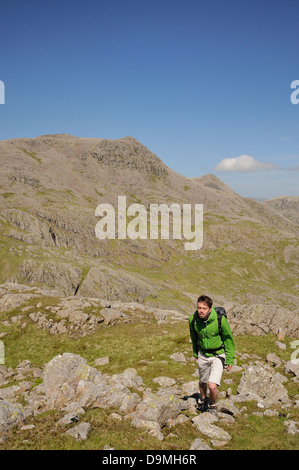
column 228, row 367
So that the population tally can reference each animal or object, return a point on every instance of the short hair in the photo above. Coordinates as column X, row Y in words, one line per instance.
column 206, row 300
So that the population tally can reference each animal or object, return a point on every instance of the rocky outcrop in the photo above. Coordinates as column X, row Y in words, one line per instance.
column 126, row 153
column 260, row 383
column 71, row 385
column 10, row 414
column 80, row 316
column 69, row 379
column 261, row 319
column 288, row 206
column 205, row 424
column 75, row 316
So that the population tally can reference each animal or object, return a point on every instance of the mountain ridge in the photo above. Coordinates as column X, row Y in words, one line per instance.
column 287, row 206
column 51, row 185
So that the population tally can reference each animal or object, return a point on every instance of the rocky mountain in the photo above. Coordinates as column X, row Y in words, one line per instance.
column 50, row 187
column 288, row 206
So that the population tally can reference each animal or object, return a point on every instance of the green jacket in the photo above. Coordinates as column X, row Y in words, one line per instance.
column 205, row 336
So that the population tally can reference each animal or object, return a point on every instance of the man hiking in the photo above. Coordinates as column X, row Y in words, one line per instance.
column 214, row 349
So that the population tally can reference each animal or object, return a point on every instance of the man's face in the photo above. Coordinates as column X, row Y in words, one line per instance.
column 203, row 310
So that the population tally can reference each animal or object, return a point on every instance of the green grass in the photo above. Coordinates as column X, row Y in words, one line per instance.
column 104, row 431
column 261, row 433
column 248, row 433
column 7, row 195
column 127, row 345
column 31, row 154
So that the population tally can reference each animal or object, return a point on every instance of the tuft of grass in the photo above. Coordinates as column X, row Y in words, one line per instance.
column 31, row 154
column 7, row 195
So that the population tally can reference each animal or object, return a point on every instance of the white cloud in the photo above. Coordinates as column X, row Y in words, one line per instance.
column 243, row 163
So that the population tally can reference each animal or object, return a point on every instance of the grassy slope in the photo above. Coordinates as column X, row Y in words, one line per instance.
column 239, row 258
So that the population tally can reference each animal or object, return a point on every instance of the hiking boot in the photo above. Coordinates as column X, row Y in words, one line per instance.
column 212, row 409
column 203, row 405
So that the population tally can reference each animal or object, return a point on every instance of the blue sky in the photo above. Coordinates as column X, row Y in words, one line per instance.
column 205, row 85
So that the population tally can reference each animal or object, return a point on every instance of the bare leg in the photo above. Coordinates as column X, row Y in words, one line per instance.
column 213, row 392
column 203, row 390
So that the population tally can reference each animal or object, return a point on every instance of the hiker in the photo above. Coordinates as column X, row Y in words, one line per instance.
column 214, row 349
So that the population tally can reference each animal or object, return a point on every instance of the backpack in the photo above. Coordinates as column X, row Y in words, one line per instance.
column 220, row 313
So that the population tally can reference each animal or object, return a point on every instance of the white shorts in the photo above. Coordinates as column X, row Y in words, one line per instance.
column 210, row 368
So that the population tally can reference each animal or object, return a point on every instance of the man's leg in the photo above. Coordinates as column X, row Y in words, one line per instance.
column 203, row 390
column 215, row 379
column 213, row 392
column 203, row 403
column 204, row 372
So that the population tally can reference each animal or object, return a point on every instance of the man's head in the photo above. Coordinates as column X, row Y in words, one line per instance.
column 204, row 306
